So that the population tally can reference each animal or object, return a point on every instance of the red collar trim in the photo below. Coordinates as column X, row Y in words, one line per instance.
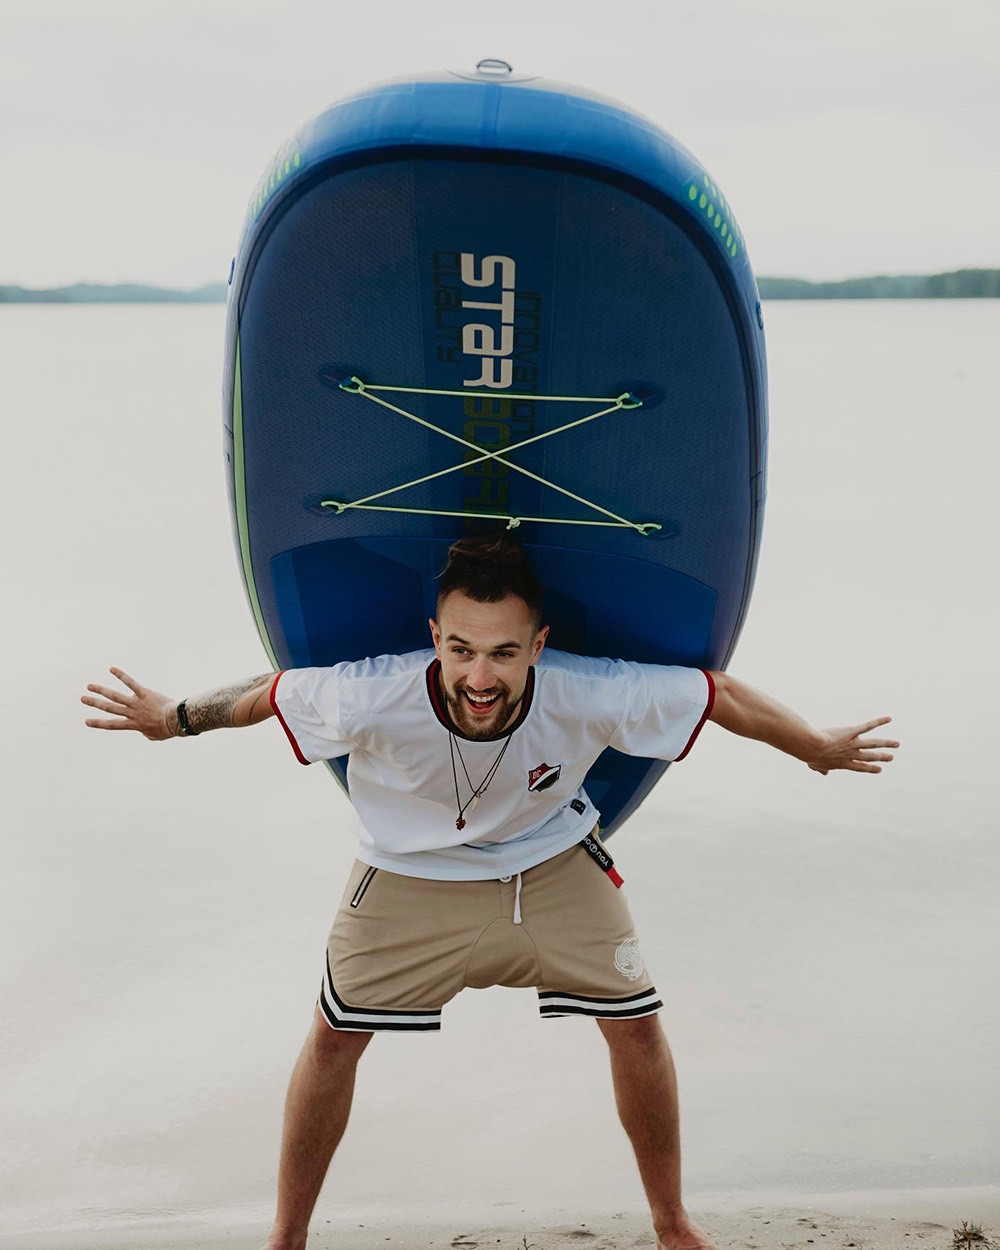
column 441, row 709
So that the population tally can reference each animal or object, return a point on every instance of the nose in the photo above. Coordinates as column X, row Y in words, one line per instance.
column 481, row 675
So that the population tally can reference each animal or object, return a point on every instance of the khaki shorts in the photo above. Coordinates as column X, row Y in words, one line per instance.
column 401, row 947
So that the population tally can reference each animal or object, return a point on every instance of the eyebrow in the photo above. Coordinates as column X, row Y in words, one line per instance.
column 500, row 646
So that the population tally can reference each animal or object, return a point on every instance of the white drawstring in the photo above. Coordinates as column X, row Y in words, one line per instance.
column 517, row 900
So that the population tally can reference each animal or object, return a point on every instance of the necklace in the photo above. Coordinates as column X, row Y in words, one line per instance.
column 472, row 802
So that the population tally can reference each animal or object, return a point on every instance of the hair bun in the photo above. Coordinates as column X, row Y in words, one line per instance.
column 487, row 548
column 488, row 568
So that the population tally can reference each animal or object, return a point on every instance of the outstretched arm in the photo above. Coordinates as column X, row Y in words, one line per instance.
column 753, row 714
column 154, row 715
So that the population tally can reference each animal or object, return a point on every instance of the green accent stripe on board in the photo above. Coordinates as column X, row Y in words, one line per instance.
column 240, row 493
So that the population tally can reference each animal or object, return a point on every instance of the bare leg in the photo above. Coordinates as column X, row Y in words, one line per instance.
column 646, row 1093
column 316, row 1110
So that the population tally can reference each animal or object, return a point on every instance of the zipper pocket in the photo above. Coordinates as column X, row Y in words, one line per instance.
column 366, row 881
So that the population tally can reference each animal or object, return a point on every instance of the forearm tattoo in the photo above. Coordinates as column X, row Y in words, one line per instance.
column 215, row 709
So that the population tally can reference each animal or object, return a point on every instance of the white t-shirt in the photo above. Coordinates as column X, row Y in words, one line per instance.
column 388, row 713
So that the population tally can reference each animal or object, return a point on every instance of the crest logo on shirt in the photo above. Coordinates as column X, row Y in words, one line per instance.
column 543, row 776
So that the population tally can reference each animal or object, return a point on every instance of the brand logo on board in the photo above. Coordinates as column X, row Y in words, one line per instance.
column 488, row 332
column 479, row 338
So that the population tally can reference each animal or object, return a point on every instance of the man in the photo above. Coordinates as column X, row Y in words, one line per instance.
column 479, row 859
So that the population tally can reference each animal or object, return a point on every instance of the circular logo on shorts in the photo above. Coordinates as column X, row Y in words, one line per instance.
column 628, row 961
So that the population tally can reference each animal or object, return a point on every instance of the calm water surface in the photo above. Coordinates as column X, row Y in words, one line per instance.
column 824, row 945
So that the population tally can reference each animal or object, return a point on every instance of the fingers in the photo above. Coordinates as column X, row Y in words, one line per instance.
column 864, row 761
column 114, row 696
column 105, row 705
column 850, row 742
column 134, row 686
column 110, row 724
column 859, row 762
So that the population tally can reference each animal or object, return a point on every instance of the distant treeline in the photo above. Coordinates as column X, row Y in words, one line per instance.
column 962, row 284
column 124, row 293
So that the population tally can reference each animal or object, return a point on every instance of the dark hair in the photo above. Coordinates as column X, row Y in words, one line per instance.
column 490, row 567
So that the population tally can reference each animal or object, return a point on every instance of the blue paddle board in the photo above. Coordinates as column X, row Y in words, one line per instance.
column 471, row 301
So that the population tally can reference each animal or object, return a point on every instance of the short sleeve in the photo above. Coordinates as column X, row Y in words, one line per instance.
column 665, row 709
column 311, row 704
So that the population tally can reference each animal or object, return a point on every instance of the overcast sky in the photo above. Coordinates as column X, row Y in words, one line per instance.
column 850, row 136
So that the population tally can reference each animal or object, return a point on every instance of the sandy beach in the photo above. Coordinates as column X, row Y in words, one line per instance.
column 890, row 1220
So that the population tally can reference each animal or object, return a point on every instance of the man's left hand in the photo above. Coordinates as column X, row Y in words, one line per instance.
column 848, row 748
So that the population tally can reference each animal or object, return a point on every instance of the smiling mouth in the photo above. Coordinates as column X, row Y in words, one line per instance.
column 480, row 705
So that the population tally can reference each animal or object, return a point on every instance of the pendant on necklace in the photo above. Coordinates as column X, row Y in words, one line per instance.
column 478, row 793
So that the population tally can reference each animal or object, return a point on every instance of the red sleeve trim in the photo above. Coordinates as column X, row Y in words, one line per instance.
column 284, row 724
column 704, row 716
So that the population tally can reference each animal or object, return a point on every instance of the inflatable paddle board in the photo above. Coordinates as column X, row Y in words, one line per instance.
column 484, row 300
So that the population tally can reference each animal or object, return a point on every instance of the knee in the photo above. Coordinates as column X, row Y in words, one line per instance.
column 643, row 1034
column 336, row 1045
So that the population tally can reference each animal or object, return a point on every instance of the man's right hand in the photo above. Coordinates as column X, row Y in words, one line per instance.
column 154, row 715
column 150, row 713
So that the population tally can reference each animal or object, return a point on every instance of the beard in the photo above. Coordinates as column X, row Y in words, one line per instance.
column 479, row 726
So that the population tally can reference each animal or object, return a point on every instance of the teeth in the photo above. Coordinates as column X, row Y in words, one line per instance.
column 479, row 698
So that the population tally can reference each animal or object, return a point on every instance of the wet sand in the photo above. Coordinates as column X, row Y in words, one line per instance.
column 895, row 1220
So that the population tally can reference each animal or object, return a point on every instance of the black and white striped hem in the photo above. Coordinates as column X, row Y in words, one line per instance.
column 552, row 1003
column 339, row 1015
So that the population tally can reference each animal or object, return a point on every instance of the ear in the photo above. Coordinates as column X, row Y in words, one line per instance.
column 539, row 643
column 435, row 635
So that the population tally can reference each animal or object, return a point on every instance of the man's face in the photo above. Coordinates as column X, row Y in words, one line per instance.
column 485, row 651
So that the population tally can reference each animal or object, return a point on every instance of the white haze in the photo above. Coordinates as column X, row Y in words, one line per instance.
column 851, row 136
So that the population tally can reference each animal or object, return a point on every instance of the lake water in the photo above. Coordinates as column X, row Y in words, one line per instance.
column 826, row 947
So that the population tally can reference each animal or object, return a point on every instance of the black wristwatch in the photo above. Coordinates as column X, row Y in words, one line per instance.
column 183, row 724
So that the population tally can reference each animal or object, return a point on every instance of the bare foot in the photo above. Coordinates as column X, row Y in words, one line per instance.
column 684, row 1236
column 283, row 1240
